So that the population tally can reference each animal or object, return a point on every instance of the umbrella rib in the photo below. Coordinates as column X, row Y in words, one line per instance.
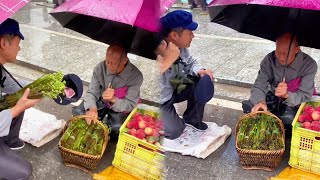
column 91, row 7
column 15, row 5
column 4, row 7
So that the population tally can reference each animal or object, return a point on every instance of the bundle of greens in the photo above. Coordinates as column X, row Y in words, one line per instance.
column 49, row 85
column 260, row 133
column 84, row 138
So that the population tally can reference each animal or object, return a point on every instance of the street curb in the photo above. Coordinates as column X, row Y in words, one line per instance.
column 86, row 83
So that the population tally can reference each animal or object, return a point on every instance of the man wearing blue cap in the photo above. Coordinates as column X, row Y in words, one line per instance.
column 183, row 78
column 12, row 166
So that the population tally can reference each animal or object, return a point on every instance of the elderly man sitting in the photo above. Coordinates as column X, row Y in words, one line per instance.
column 283, row 95
column 114, row 90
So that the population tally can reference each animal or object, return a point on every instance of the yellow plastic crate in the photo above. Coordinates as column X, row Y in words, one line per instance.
column 305, row 147
column 137, row 157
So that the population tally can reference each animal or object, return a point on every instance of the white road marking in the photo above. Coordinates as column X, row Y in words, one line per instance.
column 226, row 104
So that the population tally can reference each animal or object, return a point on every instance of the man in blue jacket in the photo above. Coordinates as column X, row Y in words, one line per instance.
column 12, row 166
column 183, row 78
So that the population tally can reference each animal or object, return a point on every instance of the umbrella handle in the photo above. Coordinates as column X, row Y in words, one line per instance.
column 117, row 67
column 293, row 15
column 284, row 69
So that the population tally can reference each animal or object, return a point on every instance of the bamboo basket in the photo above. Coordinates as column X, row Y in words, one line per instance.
column 83, row 161
column 260, row 159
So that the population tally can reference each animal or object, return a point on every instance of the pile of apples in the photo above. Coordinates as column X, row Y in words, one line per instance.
column 310, row 118
column 146, row 128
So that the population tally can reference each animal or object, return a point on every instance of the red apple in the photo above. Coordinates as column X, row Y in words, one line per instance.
column 155, row 133
column 142, row 125
column 139, row 136
column 148, row 131
column 315, row 125
column 302, row 118
column 135, row 124
column 308, row 109
column 308, row 118
column 137, row 116
column 147, row 118
column 306, row 125
column 141, row 132
column 315, row 115
column 133, row 132
column 154, row 119
column 129, row 125
column 317, row 108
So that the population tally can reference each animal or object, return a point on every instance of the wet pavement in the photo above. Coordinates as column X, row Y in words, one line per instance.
column 234, row 57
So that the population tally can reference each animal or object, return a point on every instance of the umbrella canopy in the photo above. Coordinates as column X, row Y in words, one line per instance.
column 270, row 18
column 9, row 7
column 131, row 24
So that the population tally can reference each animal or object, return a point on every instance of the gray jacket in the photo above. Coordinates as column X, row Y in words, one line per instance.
column 188, row 66
column 270, row 75
column 130, row 77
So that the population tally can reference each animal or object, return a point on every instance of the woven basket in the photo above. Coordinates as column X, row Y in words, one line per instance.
column 83, row 161
column 260, row 159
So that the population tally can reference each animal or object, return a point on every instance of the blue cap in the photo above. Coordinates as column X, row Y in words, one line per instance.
column 178, row 18
column 10, row 26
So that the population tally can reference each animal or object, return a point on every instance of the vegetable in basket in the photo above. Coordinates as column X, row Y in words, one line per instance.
column 261, row 132
column 84, row 138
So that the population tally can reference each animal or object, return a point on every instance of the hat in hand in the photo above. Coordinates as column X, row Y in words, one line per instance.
column 73, row 90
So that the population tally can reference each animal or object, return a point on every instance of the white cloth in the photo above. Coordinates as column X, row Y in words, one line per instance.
column 36, row 125
column 198, row 143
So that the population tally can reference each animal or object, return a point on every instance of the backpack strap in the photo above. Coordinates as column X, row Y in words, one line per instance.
column 4, row 78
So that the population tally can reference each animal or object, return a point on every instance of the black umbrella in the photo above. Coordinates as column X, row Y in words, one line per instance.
column 270, row 20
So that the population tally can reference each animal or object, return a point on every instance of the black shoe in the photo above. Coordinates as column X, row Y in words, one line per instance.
column 17, row 145
column 200, row 127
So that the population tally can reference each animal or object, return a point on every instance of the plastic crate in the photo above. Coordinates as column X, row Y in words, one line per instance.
column 305, row 147
column 137, row 157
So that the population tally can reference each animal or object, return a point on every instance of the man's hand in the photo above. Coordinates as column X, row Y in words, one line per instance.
column 203, row 72
column 93, row 113
column 282, row 90
column 23, row 103
column 167, row 55
column 261, row 105
column 108, row 95
column 171, row 53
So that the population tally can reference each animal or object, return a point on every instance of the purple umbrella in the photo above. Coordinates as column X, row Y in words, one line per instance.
column 9, row 7
column 132, row 24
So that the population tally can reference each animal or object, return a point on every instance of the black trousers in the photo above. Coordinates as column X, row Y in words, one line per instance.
column 12, row 166
column 173, row 124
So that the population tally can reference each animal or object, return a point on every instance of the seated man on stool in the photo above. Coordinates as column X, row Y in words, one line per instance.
column 114, row 90
column 283, row 95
